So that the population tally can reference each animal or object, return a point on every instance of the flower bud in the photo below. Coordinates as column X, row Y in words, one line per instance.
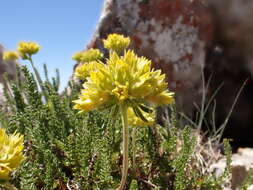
column 10, row 56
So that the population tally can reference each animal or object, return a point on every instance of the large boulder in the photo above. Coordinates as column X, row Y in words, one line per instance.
column 173, row 34
column 7, row 68
column 185, row 38
column 231, row 63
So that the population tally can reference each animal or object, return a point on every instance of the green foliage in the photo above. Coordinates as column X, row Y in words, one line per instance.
column 67, row 150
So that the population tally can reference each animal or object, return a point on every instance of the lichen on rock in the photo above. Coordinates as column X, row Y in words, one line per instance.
column 173, row 34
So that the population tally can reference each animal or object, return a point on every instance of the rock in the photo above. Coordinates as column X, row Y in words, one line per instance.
column 6, row 67
column 234, row 27
column 231, row 63
column 250, row 187
column 183, row 38
column 242, row 162
column 173, row 34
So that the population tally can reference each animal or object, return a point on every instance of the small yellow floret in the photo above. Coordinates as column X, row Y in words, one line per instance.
column 86, row 105
column 121, row 92
column 162, row 98
column 90, row 100
column 116, row 42
column 27, row 49
column 11, row 154
column 135, row 121
column 77, row 56
column 10, row 56
column 83, row 71
column 88, row 56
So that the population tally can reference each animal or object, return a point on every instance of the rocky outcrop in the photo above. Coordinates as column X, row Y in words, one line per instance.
column 6, row 67
column 185, row 38
column 230, row 62
column 174, row 34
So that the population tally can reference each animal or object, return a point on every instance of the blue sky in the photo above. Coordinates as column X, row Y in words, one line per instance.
column 61, row 27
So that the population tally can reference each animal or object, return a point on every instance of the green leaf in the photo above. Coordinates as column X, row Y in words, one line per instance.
column 145, row 108
column 138, row 113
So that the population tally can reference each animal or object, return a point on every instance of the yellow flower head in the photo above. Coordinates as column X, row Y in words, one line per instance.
column 124, row 79
column 135, row 121
column 11, row 155
column 88, row 56
column 116, row 42
column 10, row 56
column 121, row 91
column 90, row 100
column 27, row 49
column 83, row 71
column 77, row 56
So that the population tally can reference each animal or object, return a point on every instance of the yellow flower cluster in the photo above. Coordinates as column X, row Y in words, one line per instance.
column 129, row 79
column 11, row 155
column 116, row 42
column 27, row 49
column 83, row 71
column 135, row 121
column 88, row 56
column 10, row 56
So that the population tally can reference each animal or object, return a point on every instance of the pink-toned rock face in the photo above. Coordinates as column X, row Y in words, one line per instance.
column 169, row 33
column 172, row 33
column 185, row 37
column 8, row 67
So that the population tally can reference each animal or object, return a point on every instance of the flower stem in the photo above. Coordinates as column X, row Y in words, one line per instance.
column 37, row 75
column 134, row 147
column 9, row 186
column 123, row 110
column 38, row 78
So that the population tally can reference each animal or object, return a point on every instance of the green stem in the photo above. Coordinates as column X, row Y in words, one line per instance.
column 37, row 75
column 38, row 78
column 123, row 110
column 9, row 186
column 134, row 147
